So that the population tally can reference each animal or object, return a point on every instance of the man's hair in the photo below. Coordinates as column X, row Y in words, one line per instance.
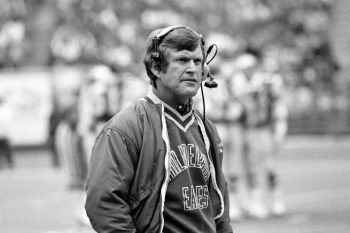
column 182, row 38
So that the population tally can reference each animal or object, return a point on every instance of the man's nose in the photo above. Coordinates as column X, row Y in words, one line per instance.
column 191, row 66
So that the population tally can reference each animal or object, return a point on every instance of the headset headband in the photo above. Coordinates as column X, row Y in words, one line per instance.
column 156, row 40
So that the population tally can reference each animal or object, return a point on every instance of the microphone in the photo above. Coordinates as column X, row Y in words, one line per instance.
column 210, row 82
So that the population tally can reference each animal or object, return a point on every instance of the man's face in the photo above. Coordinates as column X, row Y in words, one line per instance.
column 182, row 78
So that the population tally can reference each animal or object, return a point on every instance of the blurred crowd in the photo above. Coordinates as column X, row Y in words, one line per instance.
column 294, row 35
column 12, row 32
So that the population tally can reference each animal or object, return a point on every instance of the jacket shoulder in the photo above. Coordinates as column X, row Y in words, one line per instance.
column 131, row 120
column 129, row 114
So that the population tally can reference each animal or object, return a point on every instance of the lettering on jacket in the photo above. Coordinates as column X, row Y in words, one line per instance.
column 190, row 156
column 195, row 197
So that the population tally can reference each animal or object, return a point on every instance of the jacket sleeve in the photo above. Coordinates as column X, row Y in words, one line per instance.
column 110, row 174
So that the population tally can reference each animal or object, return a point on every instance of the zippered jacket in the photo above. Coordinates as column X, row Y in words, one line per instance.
column 127, row 172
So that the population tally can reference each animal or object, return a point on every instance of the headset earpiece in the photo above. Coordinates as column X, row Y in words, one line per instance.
column 155, row 42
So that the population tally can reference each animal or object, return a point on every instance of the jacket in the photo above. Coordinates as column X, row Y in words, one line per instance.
column 128, row 172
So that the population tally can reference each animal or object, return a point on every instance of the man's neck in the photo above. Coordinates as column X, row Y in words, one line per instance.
column 180, row 105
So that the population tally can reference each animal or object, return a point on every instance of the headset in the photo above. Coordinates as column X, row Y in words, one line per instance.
column 157, row 39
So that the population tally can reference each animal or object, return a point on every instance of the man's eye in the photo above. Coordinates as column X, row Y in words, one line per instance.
column 183, row 59
column 198, row 61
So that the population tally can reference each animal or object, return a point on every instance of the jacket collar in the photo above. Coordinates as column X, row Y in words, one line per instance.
column 156, row 100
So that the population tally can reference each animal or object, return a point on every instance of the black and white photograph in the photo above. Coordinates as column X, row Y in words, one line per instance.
column 174, row 116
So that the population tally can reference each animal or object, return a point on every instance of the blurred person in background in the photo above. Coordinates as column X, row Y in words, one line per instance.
column 156, row 165
column 265, row 128
column 97, row 103
column 55, row 119
column 274, row 126
column 96, row 106
column 237, row 143
column 68, row 146
column 91, row 106
column 5, row 144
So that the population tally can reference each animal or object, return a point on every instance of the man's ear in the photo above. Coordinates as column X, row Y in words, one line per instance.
column 155, row 71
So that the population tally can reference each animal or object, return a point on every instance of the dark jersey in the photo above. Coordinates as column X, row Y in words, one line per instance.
column 187, row 202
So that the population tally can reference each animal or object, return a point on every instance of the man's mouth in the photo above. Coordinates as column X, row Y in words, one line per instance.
column 190, row 80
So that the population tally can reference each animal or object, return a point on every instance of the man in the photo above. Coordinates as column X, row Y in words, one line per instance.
column 156, row 165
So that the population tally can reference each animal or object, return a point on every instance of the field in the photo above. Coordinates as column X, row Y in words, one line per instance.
column 315, row 172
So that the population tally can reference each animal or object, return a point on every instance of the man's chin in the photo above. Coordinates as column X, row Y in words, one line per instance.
column 189, row 92
column 191, row 86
